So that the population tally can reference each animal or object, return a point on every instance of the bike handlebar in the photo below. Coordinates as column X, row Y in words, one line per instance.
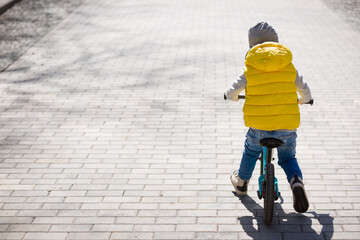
column 311, row 102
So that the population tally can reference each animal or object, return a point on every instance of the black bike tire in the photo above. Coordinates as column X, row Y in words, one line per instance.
column 269, row 193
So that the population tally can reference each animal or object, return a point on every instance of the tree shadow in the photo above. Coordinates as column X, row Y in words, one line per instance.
column 285, row 225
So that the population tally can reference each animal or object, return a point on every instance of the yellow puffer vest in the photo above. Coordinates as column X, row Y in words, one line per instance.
column 270, row 94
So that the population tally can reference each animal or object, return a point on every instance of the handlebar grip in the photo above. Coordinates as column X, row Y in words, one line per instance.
column 239, row 97
column 311, row 102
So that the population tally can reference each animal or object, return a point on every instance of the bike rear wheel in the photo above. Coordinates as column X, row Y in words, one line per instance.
column 269, row 195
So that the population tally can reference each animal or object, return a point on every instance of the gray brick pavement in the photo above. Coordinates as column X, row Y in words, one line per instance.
column 113, row 125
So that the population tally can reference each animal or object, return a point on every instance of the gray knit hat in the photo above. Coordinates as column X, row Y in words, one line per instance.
column 262, row 32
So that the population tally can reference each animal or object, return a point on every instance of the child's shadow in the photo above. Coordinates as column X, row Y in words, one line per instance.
column 285, row 225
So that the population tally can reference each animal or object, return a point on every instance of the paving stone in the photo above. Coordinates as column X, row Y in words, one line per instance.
column 70, row 228
column 28, row 228
column 92, row 235
column 142, row 236
column 174, row 235
column 10, row 235
column 113, row 228
column 217, row 236
column 53, row 220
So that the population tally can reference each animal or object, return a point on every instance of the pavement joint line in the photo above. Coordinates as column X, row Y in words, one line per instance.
column 7, row 4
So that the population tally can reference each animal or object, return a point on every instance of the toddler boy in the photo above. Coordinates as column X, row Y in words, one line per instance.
column 271, row 109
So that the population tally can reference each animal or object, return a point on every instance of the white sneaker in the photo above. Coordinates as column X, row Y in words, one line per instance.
column 239, row 184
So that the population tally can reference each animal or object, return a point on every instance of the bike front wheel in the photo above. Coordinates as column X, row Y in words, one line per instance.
column 269, row 195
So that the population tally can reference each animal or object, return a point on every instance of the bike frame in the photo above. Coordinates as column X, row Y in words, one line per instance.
column 266, row 157
column 266, row 190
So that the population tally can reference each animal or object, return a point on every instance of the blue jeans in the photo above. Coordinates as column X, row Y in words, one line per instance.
column 286, row 153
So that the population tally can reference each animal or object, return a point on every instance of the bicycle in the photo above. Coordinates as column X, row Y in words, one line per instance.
column 268, row 183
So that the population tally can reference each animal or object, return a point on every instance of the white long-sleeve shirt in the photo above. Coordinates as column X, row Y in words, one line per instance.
column 239, row 85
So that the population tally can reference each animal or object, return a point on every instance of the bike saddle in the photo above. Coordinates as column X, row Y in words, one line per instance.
column 271, row 142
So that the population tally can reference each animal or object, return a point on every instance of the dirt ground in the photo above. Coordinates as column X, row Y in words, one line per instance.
column 27, row 21
column 347, row 9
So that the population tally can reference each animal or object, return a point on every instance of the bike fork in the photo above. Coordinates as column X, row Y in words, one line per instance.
column 266, row 157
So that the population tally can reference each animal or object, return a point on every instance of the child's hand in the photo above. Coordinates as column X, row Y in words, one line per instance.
column 226, row 98
column 309, row 102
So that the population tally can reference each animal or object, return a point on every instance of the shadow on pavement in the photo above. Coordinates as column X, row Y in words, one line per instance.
column 292, row 226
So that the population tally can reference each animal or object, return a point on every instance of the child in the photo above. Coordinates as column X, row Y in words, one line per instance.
column 271, row 109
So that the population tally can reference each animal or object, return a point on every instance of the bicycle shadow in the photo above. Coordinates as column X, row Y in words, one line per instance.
column 285, row 225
